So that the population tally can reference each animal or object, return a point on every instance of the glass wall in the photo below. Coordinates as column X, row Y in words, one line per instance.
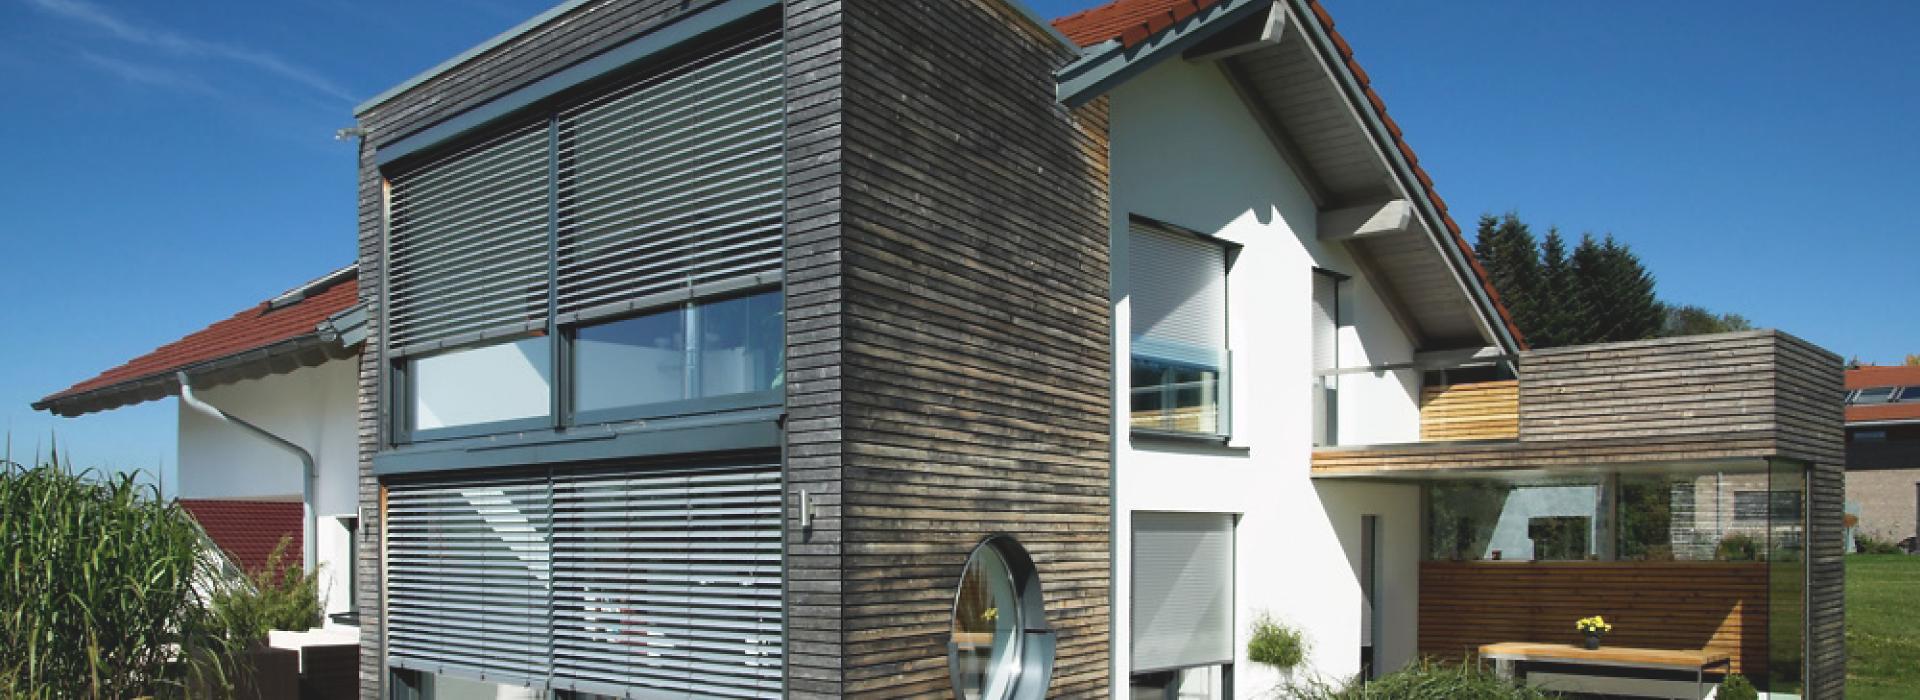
column 1514, row 522
column 1786, row 576
column 494, row 384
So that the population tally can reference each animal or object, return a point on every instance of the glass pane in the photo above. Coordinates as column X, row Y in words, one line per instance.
column 740, row 345
column 509, row 381
column 1910, row 394
column 1176, row 396
column 1786, row 577
column 445, row 687
column 1494, row 521
column 631, row 362
column 1711, row 516
column 1879, row 394
column 986, row 628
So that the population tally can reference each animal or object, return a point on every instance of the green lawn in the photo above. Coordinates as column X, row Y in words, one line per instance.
column 1883, row 627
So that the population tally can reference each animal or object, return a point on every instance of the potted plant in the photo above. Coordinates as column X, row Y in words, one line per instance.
column 1593, row 628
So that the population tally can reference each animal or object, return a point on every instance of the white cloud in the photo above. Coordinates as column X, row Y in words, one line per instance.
column 148, row 75
column 180, row 45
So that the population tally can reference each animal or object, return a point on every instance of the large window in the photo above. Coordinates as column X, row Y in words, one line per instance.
column 597, row 258
column 1182, row 616
column 1001, row 648
column 1178, row 289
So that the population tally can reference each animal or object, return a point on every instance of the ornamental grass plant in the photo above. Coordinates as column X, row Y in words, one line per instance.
column 1426, row 680
column 98, row 591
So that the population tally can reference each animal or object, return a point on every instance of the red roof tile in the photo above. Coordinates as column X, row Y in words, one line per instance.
column 1135, row 21
column 249, row 530
column 252, row 329
column 1869, row 377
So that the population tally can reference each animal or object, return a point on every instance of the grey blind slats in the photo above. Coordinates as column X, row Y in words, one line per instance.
column 1182, row 590
column 468, row 577
column 669, row 580
column 665, row 183
column 1178, row 288
column 674, row 182
column 1326, row 316
column 467, row 240
column 658, row 581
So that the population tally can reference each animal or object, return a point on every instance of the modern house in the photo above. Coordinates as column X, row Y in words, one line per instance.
column 1883, row 450
column 830, row 348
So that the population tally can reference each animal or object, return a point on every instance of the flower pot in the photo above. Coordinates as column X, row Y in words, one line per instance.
column 1593, row 640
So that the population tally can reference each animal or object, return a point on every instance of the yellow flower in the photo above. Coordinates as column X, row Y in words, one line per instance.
column 990, row 614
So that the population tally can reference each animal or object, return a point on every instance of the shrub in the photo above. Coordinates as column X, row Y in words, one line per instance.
column 97, row 594
column 1426, row 680
column 1736, row 687
column 277, row 597
column 1275, row 644
column 1868, row 544
column 1737, row 547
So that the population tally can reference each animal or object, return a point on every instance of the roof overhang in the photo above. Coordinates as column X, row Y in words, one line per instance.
column 1295, row 75
column 338, row 334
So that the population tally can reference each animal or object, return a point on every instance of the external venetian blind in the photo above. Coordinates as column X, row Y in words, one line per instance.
column 1182, row 590
column 668, row 580
column 627, row 581
column 468, row 575
column 1178, row 287
column 1326, row 320
column 673, row 182
column 467, row 240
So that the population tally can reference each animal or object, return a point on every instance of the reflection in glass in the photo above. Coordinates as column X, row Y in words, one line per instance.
column 1786, row 576
column 740, row 345
column 986, row 628
column 631, row 362
column 1176, row 396
column 508, row 381
column 1489, row 520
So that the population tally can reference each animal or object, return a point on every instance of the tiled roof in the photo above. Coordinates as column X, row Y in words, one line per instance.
column 1134, row 21
column 257, row 327
column 1868, row 377
column 249, row 530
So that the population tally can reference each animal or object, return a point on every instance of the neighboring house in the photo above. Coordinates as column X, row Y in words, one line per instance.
column 1883, row 450
column 286, row 366
column 831, row 348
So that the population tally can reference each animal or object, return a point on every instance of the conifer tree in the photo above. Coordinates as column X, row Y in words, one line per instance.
column 1507, row 250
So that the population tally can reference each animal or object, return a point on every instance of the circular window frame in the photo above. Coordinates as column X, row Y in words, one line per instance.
column 1031, row 670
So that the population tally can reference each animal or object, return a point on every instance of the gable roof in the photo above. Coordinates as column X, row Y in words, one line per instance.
column 282, row 332
column 249, row 530
column 1134, row 22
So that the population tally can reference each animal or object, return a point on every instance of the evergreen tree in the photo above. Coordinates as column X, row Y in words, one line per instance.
column 1636, row 312
column 1507, row 250
column 1563, row 311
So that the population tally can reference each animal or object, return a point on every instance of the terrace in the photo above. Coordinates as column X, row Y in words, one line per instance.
column 1687, row 489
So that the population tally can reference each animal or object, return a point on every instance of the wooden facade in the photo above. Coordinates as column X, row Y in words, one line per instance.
column 1475, row 411
column 1715, row 606
column 976, row 394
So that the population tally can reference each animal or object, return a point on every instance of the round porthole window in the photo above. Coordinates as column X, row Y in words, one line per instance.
column 1001, row 648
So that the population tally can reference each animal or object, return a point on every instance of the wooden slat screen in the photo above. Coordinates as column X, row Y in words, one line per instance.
column 1476, row 411
column 1655, row 605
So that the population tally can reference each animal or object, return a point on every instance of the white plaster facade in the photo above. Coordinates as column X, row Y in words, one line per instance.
column 313, row 407
column 1186, row 151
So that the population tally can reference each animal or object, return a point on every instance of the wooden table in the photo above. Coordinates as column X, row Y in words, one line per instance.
column 1505, row 654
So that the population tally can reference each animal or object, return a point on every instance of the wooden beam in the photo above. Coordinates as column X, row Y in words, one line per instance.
column 1393, row 216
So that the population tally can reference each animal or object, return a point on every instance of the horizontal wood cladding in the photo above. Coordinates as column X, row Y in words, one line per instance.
column 1749, row 395
column 1476, row 411
column 973, row 386
column 816, row 635
column 1718, row 606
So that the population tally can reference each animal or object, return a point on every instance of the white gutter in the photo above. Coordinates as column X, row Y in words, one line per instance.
column 307, row 522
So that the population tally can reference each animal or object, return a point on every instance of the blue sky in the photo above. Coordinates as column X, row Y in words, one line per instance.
column 171, row 163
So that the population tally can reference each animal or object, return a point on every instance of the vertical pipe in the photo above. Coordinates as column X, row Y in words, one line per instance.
column 308, row 547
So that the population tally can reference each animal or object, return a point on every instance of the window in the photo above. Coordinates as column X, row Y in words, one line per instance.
column 1179, row 332
column 495, row 385
column 1183, row 606
column 657, row 202
column 1909, row 394
column 1000, row 648
column 1490, row 520
column 1878, row 394
column 1326, row 355
column 1869, row 436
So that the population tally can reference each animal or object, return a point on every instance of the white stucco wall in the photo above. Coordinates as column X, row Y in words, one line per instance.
column 313, row 407
column 1186, row 151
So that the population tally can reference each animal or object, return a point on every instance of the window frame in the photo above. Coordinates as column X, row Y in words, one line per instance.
column 1223, row 434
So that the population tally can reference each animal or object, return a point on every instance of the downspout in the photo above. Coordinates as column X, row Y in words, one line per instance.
column 307, row 522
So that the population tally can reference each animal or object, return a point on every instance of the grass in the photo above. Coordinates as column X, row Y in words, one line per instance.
column 1883, row 626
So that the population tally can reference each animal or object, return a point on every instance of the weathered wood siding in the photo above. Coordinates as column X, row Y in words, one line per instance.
column 1812, row 431
column 816, row 635
column 580, row 34
column 1720, row 606
column 1476, row 411
column 975, row 381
